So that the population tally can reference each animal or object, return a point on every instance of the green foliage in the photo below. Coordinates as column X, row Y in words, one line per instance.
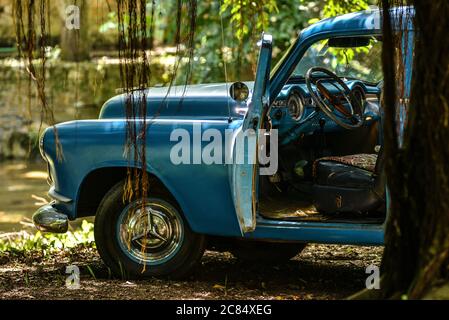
column 361, row 62
column 243, row 23
column 25, row 242
column 334, row 8
column 227, row 31
column 239, row 21
column 246, row 14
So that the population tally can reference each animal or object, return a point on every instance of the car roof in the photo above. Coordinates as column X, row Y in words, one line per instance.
column 367, row 20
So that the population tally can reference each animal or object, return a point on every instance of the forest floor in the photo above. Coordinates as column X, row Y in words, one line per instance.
column 319, row 272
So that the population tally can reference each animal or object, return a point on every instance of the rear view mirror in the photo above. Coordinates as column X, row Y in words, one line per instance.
column 349, row 42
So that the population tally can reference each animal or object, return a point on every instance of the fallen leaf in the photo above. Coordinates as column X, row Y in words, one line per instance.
column 218, row 286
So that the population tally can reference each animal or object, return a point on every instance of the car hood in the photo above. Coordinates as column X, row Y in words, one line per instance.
column 192, row 101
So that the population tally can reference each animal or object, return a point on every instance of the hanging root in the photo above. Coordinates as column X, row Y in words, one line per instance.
column 135, row 28
column 135, row 74
column 31, row 43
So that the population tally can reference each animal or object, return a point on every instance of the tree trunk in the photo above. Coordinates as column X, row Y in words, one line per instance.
column 417, row 235
column 75, row 43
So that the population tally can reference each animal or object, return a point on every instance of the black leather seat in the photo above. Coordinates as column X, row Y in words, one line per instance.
column 353, row 183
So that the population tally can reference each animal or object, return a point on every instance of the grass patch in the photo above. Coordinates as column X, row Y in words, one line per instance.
column 24, row 242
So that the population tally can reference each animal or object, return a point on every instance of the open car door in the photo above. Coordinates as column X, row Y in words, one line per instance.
column 245, row 168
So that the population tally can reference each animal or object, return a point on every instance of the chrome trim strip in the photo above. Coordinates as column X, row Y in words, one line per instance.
column 54, row 195
column 371, row 97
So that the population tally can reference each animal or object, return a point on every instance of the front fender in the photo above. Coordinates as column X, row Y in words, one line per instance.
column 202, row 191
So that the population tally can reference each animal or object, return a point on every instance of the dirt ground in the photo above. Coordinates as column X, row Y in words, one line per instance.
column 320, row 272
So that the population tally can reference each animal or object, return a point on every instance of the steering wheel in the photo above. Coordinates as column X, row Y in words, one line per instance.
column 342, row 107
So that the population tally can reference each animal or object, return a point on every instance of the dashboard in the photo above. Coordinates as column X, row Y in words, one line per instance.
column 294, row 112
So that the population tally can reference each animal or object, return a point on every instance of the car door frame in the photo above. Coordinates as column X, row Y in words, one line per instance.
column 245, row 170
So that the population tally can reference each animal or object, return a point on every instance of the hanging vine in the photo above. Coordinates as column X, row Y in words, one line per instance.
column 32, row 28
column 248, row 19
column 135, row 28
column 188, row 37
column 135, row 73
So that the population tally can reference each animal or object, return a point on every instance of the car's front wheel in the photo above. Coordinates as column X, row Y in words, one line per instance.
column 145, row 240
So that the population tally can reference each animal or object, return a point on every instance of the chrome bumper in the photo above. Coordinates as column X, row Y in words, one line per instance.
column 49, row 219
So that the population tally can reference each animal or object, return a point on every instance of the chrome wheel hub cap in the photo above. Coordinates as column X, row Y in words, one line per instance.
column 151, row 234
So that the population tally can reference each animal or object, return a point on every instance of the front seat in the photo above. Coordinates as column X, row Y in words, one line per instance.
column 353, row 183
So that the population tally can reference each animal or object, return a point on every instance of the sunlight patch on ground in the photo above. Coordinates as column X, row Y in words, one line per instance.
column 35, row 175
column 15, row 167
column 10, row 269
column 18, row 187
column 22, row 188
column 11, row 217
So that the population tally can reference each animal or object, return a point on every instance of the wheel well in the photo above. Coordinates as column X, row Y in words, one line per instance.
column 98, row 182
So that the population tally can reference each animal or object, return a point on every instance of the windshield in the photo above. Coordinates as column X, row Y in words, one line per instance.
column 363, row 63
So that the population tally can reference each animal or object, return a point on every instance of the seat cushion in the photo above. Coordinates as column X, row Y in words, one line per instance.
column 336, row 174
column 346, row 184
column 352, row 171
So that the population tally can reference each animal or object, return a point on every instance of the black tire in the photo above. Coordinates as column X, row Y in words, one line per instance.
column 122, row 261
column 266, row 252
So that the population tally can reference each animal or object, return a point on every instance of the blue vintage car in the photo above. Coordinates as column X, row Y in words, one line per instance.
column 323, row 181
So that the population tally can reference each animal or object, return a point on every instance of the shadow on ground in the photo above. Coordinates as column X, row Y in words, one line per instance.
column 320, row 272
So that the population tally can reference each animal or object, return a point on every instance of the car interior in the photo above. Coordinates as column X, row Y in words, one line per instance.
column 328, row 117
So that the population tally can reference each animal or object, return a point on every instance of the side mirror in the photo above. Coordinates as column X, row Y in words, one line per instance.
column 239, row 91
